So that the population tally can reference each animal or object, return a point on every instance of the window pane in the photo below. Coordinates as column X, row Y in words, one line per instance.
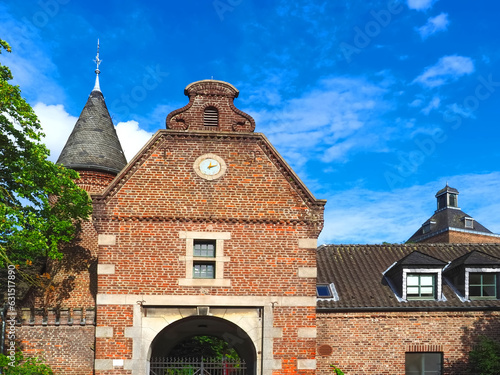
column 475, row 291
column 323, row 291
column 432, row 363
column 423, row 363
column 489, row 278
column 412, row 280
column 426, row 280
column 412, row 290
column 413, row 363
column 204, row 249
column 427, row 291
column 474, row 278
column 489, row 291
column 203, row 271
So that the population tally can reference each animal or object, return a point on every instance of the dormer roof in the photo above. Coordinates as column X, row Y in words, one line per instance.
column 359, row 273
column 416, row 258
column 475, row 259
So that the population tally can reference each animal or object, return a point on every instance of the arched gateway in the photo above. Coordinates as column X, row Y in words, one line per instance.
column 180, row 331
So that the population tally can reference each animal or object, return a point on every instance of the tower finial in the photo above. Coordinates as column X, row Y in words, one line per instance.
column 97, row 71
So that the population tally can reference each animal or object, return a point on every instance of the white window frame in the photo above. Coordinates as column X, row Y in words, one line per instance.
column 477, row 270
column 219, row 259
column 439, row 282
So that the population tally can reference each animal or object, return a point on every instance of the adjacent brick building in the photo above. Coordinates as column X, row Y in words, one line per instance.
column 450, row 224
column 208, row 231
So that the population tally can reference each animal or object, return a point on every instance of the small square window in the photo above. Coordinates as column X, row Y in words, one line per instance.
column 204, row 248
column 482, row 285
column 203, row 270
column 323, row 291
column 420, row 286
column 423, row 363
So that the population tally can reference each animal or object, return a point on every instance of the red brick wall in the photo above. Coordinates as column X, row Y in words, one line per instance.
column 94, row 182
column 68, row 350
column 375, row 343
column 461, row 237
column 118, row 346
column 258, row 200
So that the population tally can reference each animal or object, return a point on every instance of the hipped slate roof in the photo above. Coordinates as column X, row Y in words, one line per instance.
column 357, row 271
column 444, row 220
column 93, row 144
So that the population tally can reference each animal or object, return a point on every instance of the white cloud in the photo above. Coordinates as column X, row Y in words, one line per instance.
column 132, row 137
column 420, row 4
column 365, row 216
column 57, row 125
column 446, row 70
column 329, row 122
column 433, row 25
column 433, row 104
column 30, row 60
column 460, row 110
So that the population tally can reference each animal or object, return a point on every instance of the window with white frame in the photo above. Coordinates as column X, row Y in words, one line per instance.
column 422, row 284
column 423, row 363
column 204, row 258
column 483, row 285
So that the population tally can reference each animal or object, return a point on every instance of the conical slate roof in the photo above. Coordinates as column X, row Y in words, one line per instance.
column 93, row 144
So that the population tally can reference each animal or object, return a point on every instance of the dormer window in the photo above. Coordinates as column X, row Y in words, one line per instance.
column 420, row 286
column 427, row 226
column 483, row 285
column 474, row 276
column 469, row 222
column 417, row 276
column 211, row 117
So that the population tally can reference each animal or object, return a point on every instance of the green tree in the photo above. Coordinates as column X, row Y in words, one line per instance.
column 23, row 366
column 204, row 346
column 485, row 358
column 40, row 204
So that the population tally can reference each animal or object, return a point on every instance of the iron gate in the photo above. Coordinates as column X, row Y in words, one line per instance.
column 197, row 366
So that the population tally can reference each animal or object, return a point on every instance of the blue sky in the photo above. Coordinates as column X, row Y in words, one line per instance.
column 375, row 104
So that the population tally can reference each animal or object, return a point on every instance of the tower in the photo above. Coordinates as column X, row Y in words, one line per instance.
column 450, row 224
column 93, row 148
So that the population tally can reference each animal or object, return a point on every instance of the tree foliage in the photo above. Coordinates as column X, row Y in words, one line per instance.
column 40, row 205
column 204, row 346
column 23, row 366
column 485, row 358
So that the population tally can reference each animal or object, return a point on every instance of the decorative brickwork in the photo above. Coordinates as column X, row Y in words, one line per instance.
column 63, row 338
column 210, row 94
column 94, row 182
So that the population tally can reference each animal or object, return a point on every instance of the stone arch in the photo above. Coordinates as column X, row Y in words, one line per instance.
column 185, row 328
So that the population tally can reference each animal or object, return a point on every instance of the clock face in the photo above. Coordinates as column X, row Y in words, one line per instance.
column 209, row 166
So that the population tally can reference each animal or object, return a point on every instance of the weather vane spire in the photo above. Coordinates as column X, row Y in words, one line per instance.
column 97, row 71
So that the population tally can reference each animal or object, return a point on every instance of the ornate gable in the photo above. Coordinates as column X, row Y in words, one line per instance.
column 210, row 107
